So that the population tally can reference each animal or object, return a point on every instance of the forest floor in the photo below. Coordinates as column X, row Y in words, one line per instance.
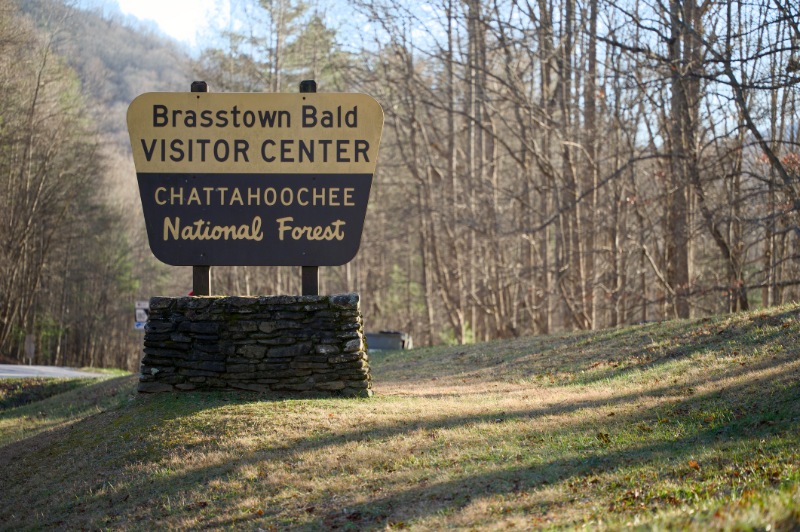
column 682, row 424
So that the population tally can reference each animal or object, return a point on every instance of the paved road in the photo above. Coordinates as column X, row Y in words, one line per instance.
column 12, row 370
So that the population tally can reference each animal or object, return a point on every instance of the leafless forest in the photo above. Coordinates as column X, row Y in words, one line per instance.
column 545, row 166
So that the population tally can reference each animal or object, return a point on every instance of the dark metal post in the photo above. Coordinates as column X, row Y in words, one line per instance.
column 310, row 273
column 201, row 275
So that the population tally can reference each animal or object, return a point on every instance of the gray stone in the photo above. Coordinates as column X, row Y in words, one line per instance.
column 237, row 301
column 359, row 384
column 278, row 341
column 206, row 348
column 243, row 326
column 353, row 345
column 227, row 349
column 239, row 360
column 317, row 377
column 200, row 356
column 156, row 339
column 164, row 353
column 311, row 358
column 273, row 367
column 156, row 326
column 211, row 365
column 241, row 368
column 352, row 377
column 332, row 385
column 292, row 387
column 161, row 303
column 252, row 351
column 351, row 365
column 202, row 327
column 289, row 374
column 277, row 325
column 193, row 364
column 163, row 364
column 324, row 349
column 309, row 365
column 290, row 317
column 239, row 376
column 345, row 300
column 196, row 303
column 289, row 350
column 186, row 387
column 198, row 373
column 279, row 300
column 347, row 357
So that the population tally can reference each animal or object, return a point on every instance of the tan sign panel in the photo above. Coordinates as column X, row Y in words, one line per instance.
column 255, row 179
column 201, row 132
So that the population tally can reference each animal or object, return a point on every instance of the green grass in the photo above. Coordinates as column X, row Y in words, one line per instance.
column 675, row 425
column 31, row 406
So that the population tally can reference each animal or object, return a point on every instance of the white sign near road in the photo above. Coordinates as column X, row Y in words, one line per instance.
column 142, row 309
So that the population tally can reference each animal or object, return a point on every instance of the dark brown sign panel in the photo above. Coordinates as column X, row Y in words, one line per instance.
column 254, row 179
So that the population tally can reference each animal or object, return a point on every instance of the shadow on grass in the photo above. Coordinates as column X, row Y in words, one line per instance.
column 417, row 501
column 420, row 501
column 63, row 403
column 589, row 358
column 409, row 503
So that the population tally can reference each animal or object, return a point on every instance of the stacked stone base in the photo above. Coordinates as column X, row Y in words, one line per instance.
column 312, row 345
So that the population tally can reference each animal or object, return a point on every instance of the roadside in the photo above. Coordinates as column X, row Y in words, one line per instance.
column 20, row 371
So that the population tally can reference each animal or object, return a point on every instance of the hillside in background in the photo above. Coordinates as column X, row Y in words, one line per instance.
column 116, row 57
column 674, row 425
column 75, row 256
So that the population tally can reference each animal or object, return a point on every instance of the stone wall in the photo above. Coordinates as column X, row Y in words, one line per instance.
column 299, row 344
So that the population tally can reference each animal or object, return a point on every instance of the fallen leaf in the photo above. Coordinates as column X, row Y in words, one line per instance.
column 694, row 465
column 708, row 419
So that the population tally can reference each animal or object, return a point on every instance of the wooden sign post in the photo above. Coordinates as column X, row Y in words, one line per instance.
column 201, row 275
column 310, row 274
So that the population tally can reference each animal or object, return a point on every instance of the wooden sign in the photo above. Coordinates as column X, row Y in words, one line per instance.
column 254, row 179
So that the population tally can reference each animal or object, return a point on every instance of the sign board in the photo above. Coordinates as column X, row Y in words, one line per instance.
column 254, row 179
column 142, row 310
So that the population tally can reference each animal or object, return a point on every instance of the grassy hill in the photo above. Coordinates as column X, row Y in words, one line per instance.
column 690, row 424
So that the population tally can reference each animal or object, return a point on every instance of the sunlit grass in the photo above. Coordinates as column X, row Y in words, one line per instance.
column 665, row 425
